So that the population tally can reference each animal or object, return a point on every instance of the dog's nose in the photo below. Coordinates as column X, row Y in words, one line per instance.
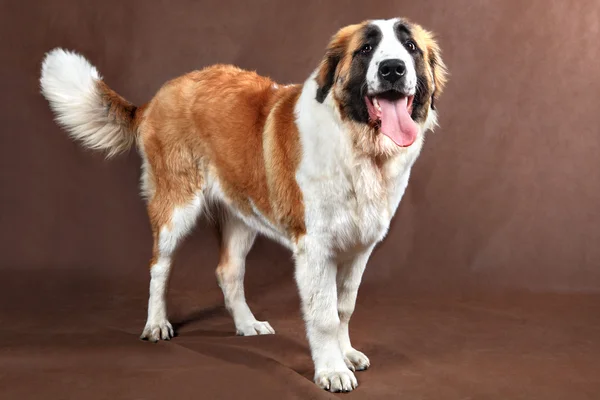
column 392, row 70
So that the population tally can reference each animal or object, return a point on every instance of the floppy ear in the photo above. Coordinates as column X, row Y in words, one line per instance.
column 438, row 70
column 328, row 67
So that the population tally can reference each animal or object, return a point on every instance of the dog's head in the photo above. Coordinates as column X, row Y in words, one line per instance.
column 384, row 76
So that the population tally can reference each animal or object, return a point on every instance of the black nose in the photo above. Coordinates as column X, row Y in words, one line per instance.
column 392, row 70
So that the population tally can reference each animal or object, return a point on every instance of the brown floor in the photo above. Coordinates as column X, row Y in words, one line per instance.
column 71, row 341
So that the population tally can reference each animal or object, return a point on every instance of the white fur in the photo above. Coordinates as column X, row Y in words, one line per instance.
column 69, row 83
column 431, row 122
column 348, row 280
column 182, row 221
column 316, row 269
column 348, row 207
column 345, row 199
column 390, row 48
column 157, row 325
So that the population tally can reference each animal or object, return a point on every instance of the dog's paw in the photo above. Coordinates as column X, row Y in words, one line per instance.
column 155, row 332
column 336, row 381
column 356, row 360
column 254, row 328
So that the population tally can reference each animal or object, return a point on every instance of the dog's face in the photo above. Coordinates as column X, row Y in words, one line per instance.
column 385, row 75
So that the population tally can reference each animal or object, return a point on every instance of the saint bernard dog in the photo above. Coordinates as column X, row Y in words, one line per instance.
column 319, row 167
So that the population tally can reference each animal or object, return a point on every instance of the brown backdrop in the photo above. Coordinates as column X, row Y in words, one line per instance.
column 486, row 286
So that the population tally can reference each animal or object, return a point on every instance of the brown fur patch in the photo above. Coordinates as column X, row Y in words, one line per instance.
column 215, row 121
column 336, row 52
column 433, row 59
column 352, row 44
column 118, row 109
column 120, row 112
column 282, row 157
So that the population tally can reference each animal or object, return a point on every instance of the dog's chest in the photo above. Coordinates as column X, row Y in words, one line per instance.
column 350, row 209
column 366, row 214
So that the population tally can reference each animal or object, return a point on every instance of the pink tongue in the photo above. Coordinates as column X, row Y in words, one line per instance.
column 396, row 122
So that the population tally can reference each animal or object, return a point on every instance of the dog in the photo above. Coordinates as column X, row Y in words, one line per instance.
column 319, row 167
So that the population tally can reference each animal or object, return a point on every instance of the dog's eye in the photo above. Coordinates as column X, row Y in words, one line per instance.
column 366, row 49
column 410, row 45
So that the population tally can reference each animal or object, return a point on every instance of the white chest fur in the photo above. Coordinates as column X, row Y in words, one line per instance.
column 349, row 201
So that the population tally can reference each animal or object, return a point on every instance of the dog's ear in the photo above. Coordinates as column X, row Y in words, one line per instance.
column 438, row 69
column 335, row 53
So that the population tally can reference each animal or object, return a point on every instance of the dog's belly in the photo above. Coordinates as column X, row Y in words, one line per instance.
column 245, row 208
column 264, row 226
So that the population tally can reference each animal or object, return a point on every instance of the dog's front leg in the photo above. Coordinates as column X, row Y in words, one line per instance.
column 349, row 277
column 316, row 278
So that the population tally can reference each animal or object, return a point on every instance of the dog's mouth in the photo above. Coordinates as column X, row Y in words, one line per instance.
column 391, row 110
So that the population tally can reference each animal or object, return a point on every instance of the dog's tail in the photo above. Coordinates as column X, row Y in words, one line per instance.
column 90, row 111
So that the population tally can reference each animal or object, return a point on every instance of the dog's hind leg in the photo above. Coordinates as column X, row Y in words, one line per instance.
column 236, row 240
column 173, row 207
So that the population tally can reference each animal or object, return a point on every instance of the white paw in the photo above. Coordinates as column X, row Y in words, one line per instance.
column 254, row 328
column 336, row 381
column 155, row 332
column 356, row 361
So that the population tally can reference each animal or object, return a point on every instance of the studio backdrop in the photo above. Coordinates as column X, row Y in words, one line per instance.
column 504, row 198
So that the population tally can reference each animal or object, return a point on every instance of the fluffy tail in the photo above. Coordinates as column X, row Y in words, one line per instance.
column 85, row 106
